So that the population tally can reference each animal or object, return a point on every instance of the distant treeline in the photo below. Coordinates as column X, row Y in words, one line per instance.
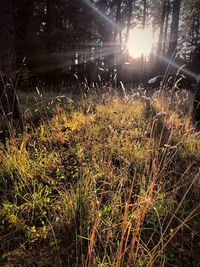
column 89, row 38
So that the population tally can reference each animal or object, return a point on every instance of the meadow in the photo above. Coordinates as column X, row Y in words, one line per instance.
column 111, row 179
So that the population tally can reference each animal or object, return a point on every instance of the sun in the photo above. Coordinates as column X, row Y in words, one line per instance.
column 140, row 42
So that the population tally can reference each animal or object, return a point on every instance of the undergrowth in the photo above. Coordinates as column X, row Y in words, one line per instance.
column 103, row 181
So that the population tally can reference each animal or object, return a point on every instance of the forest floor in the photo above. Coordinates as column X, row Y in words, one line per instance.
column 101, row 181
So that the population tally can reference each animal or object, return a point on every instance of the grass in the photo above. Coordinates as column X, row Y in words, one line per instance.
column 101, row 181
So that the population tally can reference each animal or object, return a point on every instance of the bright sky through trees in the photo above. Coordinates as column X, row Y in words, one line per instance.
column 140, row 42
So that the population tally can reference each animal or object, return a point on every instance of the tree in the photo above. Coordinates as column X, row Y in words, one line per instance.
column 8, row 101
column 166, row 27
column 191, row 22
column 160, row 41
column 173, row 40
column 130, row 6
column 144, row 14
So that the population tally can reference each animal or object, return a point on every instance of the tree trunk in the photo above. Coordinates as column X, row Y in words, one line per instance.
column 130, row 9
column 197, row 26
column 160, row 42
column 8, row 101
column 166, row 27
column 174, row 27
column 144, row 14
column 118, row 47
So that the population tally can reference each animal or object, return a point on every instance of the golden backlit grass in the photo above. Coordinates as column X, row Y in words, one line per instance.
column 112, row 182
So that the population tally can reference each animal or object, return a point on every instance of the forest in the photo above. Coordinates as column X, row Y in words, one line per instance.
column 100, row 133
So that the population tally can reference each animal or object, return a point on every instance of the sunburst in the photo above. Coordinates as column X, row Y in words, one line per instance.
column 140, row 42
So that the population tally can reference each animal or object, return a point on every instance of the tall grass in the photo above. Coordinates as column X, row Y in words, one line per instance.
column 101, row 181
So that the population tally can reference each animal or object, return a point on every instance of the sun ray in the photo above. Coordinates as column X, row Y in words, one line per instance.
column 101, row 14
column 186, row 71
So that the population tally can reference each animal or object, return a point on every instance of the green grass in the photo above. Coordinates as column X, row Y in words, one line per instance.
column 101, row 181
